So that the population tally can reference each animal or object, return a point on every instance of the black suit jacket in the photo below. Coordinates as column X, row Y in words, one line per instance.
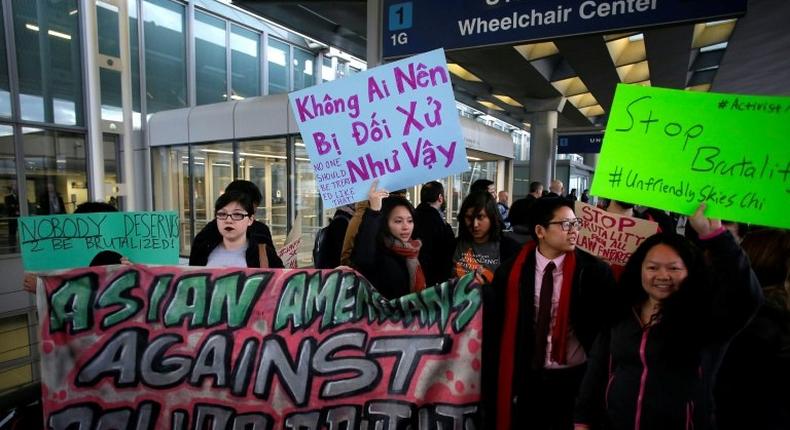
column 438, row 244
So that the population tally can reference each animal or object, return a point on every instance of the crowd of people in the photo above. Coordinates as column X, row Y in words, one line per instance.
column 568, row 343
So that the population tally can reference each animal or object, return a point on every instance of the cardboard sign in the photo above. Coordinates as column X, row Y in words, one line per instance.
column 674, row 149
column 185, row 348
column 611, row 236
column 289, row 253
column 396, row 122
column 52, row 242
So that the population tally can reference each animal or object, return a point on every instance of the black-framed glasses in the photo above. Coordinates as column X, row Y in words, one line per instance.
column 568, row 224
column 235, row 216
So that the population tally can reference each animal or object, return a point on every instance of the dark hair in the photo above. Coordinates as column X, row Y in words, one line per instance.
column 243, row 199
column 93, row 207
column 480, row 185
column 480, row 201
column 535, row 186
column 387, row 206
column 246, row 187
column 769, row 252
column 622, row 204
column 431, row 191
column 686, row 311
column 106, row 258
column 542, row 211
column 519, row 212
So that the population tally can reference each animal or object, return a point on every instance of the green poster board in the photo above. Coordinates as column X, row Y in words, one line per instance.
column 65, row 241
column 674, row 149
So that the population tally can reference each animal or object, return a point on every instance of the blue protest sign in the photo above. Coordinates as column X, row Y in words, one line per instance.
column 397, row 123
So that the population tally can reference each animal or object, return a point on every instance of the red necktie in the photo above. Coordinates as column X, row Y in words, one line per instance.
column 544, row 316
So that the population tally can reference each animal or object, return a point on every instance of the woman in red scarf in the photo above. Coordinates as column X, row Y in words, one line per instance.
column 384, row 251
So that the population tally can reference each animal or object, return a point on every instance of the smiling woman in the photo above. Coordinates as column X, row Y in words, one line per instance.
column 677, row 313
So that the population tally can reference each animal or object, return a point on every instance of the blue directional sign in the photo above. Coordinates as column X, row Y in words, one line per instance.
column 422, row 25
column 587, row 143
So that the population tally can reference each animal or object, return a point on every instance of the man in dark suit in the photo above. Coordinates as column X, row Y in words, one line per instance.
column 438, row 240
column 51, row 203
column 542, row 313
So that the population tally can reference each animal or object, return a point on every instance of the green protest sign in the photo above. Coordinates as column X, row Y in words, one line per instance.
column 674, row 149
column 65, row 241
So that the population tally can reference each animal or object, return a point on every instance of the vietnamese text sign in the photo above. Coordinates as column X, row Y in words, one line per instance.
column 420, row 25
column 396, row 122
column 64, row 241
column 674, row 149
column 611, row 236
column 184, row 348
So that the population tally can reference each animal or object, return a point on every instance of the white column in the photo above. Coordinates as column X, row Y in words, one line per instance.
column 95, row 153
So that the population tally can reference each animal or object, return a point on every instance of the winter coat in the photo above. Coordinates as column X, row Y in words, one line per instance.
column 385, row 270
column 591, row 291
column 438, row 244
column 643, row 378
column 257, row 233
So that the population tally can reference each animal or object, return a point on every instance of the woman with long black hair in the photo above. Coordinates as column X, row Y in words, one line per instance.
column 655, row 368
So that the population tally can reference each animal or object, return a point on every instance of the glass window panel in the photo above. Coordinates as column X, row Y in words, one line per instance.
column 134, row 45
column 245, row 64
column 15, row 377
column 50, row 72
column 55, row 169
column 11, row 201
column 304, row 65
column 107, row 23
column 308, row 204
column 110, row 84
column 210, row 59
column 112, row 169
column 278, row 58
column 264, row 163
column 170, row 168
column 14, row 338
column 212, row 171
column 165, row 55
column 5, row 94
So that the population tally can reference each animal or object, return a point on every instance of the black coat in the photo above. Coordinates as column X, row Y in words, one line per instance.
column 257, row 233
column 673, row 379
column 385, row 270
column 591, row 292
column 438, row 244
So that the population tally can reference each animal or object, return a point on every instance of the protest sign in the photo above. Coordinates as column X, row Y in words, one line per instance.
column 198, row 348
column 52, row 242
column 289, row 253
column 674, row 149
column 396, row 122
column 611, row 236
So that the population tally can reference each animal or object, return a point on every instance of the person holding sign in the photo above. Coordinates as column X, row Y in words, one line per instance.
column 542, row 314
column 384, row 251
column 656, row 366
column 235, row 214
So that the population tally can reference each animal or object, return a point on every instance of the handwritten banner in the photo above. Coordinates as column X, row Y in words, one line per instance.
column 396, row 122
column 176, row 347
column 66, row 241
column 289, row 253
column 611, row 236
column 674, row 149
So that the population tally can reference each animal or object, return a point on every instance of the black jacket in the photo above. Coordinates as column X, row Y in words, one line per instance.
column 673, row 380
column 591, row 291
column 257, row 233
column 438, row 244
column 385, row 270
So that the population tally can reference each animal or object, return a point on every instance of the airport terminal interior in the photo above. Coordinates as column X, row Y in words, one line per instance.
column 156, row 105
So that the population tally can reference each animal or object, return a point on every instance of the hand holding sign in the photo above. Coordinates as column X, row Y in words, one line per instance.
column 702, row 225
column 375, row 196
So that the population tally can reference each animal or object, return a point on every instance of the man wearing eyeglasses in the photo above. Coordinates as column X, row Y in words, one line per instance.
column 542, row 313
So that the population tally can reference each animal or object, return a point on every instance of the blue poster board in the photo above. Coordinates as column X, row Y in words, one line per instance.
column 397, row 123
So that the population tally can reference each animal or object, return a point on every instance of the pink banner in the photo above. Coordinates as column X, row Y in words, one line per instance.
column 139, row 347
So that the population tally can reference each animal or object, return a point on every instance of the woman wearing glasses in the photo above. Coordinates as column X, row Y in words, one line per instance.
column 481, row 246
column 233, row 247
column 656, row 366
